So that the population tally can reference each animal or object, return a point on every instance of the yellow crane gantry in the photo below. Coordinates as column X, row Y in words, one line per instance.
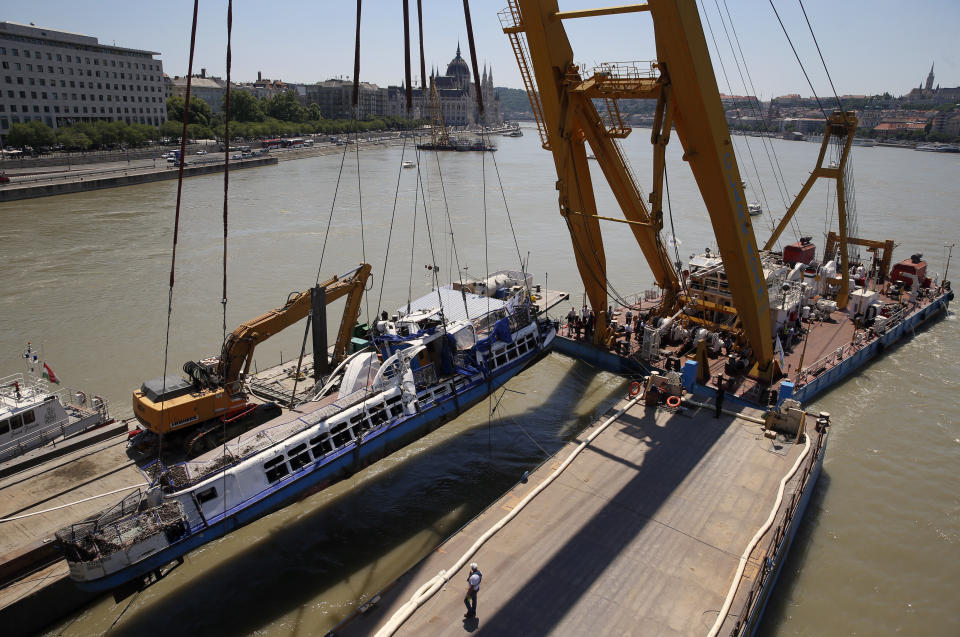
column 683, row 83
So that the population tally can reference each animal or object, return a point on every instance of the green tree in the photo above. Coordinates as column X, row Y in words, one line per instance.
column 285, row 107
column 34, row 133
column 244, row 107
column 200, row 111
column 72, row 139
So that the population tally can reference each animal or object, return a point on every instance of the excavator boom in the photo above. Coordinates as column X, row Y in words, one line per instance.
column 166, row 405
column 237, row 353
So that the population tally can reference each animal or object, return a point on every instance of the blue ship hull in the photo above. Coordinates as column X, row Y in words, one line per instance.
column 353, row 457
column 851, row 364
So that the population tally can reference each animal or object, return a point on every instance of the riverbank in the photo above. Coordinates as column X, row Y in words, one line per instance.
column 72, row 182
column 66, row 178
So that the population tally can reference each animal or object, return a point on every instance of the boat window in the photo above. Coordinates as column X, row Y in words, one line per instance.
column 501, row 359
column 355, row 419
column 395, row 411
column 16, row 422
column 342, row 438
column 275, row 469
column 320, row 446
column 206, row 495
column 4, row 426
column 29, row 417
column 337, row 429
column 299, row 456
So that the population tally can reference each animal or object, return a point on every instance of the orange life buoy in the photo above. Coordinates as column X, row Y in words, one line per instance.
column 634, row 388
column 673, row 401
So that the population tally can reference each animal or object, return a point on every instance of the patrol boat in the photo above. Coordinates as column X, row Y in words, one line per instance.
column 444, row 353
column 32, row 414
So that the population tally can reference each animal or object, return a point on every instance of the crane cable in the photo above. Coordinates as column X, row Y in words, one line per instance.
column 765, row 136
column 723, row 68
column 820, row 53
column 176, row 218
column 778, row 178
column 796, row 55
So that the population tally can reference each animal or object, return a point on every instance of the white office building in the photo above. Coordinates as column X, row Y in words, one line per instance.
column 62, row 78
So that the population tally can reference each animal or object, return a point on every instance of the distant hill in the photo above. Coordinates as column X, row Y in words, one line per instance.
column 514, row 103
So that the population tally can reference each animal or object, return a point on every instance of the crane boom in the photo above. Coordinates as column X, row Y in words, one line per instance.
column 688, row 101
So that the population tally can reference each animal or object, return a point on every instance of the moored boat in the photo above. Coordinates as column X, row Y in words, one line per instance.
column 442, row 354
column 33, row 414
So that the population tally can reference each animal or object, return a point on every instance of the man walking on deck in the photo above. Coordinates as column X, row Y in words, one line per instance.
column 473, row 586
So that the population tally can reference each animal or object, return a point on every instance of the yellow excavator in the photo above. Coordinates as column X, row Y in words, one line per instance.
column 213, row 392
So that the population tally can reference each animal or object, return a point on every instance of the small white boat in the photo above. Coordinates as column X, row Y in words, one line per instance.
column 755, row 209
column 409, row 164
column 32, row 414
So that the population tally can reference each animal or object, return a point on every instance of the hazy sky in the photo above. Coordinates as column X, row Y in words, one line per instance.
column 870, row 46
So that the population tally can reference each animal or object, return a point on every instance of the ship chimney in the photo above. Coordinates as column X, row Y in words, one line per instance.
column 259, row 76
column 203, row 73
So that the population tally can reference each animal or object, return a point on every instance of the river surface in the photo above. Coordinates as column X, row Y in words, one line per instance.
column 85, row 278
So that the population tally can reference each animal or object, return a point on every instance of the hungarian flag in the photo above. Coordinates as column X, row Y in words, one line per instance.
column 49, row 375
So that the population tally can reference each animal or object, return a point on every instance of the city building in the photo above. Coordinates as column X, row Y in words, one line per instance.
column 457, row 95
column 926, row 92
column 210, row 89
column 61, row 78
column 456, row 91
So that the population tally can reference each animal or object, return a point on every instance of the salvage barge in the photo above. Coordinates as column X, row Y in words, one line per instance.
column 646, row 532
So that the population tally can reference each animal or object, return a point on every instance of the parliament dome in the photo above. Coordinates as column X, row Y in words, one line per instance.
column 458, row 68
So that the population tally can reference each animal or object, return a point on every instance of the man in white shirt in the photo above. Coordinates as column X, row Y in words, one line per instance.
column 473, row 586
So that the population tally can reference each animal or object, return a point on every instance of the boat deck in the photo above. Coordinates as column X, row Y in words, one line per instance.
column 825, row 344
column 640, row 535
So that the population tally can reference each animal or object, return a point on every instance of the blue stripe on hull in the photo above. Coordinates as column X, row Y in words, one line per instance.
column 376, row 446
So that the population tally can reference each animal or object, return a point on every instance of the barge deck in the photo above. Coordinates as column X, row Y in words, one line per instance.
column 641, row 534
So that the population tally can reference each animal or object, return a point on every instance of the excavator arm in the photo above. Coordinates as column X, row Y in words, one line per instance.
column 237, row 353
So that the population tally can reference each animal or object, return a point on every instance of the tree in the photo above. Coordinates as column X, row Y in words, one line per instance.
column 244, row 107
column 171, row 129
column 285, row 107
column 200, row 111
column 72, row 139
column 34, row 133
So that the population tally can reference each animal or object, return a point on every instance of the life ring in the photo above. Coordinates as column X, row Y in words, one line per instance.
column 673, row 401
column 634, row 389
column 81, row 398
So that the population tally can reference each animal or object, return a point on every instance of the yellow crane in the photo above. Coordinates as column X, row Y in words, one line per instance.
column 842, row 126
column 682, row 82
column 217, row 392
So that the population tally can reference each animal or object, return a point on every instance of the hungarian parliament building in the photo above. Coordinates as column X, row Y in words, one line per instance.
column 456, row 92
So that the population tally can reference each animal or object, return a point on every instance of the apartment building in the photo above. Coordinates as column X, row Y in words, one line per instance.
column 62, row 78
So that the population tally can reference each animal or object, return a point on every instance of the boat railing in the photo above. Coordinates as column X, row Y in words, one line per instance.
column 822, row 364
column 191, row 472
column 37, row 436
column 99, row 538
column 425, row 376
column 766, row 564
